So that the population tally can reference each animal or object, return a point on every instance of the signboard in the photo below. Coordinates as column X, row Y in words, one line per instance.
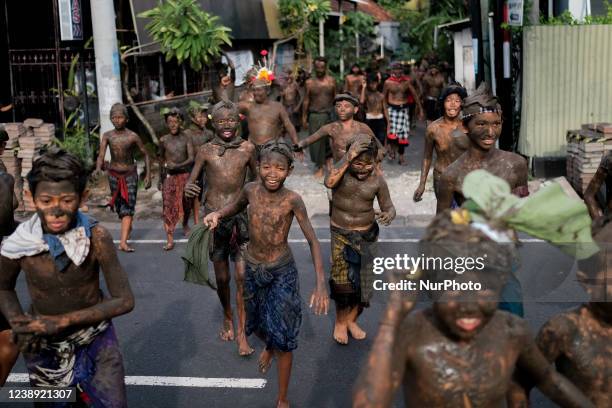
column 515, row 12
column 71, row 21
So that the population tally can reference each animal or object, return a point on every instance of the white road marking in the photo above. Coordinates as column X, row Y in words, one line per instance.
column 300, row 241
column 195, row 382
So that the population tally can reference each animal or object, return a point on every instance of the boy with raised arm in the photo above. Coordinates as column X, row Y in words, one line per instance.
column 122, row 170
column 272, row 295
column 225, row 161
column 67, row 337
column 354, row 229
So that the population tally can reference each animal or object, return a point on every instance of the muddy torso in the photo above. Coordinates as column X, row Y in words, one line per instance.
column 290, row 95
column 374, row 102
column 444, row 373
column 450, row 141
column 353, row 202
column 264, row 122
column 122, row 145
column 340, row 136
column 398, row 92
column 354, row 83
column 176, row 148
column 270, row 217
column 199, row 137
column 322, row 93
column 226, row 174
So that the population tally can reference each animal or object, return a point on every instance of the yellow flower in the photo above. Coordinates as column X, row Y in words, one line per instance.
column 312, row 7
column 460, row 216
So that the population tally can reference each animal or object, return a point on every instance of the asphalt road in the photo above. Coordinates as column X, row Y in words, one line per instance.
column 173, row 329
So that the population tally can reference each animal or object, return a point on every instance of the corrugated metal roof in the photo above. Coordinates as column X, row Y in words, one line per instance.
column 567, row 82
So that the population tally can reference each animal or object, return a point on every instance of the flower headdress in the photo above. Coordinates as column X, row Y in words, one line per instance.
column 265, row 70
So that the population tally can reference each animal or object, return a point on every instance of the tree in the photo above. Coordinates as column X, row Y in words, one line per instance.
column 183, row 31
column 299, row 20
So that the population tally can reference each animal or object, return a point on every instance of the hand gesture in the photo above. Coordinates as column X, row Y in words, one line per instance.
column 358, row 147
column 400, row 302
column 192, row 190
column 418, row 193
column 39, row 325
column 384, row 217
column 320, row 300
column 212, row 220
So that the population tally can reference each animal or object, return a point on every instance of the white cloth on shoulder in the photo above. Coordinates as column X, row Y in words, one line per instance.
column 27, row 240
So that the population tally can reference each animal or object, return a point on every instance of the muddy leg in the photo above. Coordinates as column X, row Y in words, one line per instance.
column 284, row 361
column 222, row 276
column 243, row 346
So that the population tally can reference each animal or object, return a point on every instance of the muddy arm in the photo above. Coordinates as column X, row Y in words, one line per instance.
column 318, row 135
column 337, row 173
column 102, row 152
column 147, row 158
column 555, row 386
column 289, row 128
column 384, row 201
column 427, row 157
column 9, row 303
column 121, row 298
column 239, row 204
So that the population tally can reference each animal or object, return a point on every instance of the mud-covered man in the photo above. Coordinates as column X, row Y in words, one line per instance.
column 579, row 341
column 176, row 159
column 225, row 161
column 291, row 99
column 317, row 110
column 8, row 204
column 376, row 115
column 272, row 295
column 224, row 89
column 446, row 136
column 353, row 82
column 433, row 83
column 396, row 91
column 200, row 135
column 462, row 351
column 67, row 337
column 267, row 119
column 354, row 229
column 342, row 130
column 122, row 171
column 482, row 117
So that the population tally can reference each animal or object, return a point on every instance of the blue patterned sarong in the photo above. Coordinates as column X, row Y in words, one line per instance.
column 272, row 302
column 89, row 359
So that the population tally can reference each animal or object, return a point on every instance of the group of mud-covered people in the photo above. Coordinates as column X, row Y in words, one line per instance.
column 465, row 350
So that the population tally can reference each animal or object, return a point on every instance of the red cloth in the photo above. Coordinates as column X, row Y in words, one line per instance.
column 122, row 186
column 521, row 191
column 174, row 201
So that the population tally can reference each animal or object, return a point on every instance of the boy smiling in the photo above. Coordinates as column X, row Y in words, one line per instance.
column 67, row 338
column 272, row 298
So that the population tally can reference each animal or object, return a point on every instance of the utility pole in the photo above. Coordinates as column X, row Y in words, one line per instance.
column 108, row 74
column 476, row 20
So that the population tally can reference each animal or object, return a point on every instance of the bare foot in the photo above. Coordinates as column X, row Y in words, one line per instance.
column 243, row 346
column 356, row 332
column 265, row 361
column 125, row 248
column 341, row 333
column 169, row 246
column 186, row 230
column 319, row 173
column 282, row 404
column 227, row 332
column 402, row 160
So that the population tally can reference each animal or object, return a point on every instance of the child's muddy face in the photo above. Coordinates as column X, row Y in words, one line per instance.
column 345, row 110
column 226, row 124
column 174, row 124
column 452, row 106
column 118, row 120
column 200, row 119
column 463, row 315
column 362, row 166
column 56, row 204
column 274, row 169
column 484, row 129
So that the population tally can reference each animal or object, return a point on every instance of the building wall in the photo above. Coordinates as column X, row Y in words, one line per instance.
column 567, row 82
column 464, row 59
